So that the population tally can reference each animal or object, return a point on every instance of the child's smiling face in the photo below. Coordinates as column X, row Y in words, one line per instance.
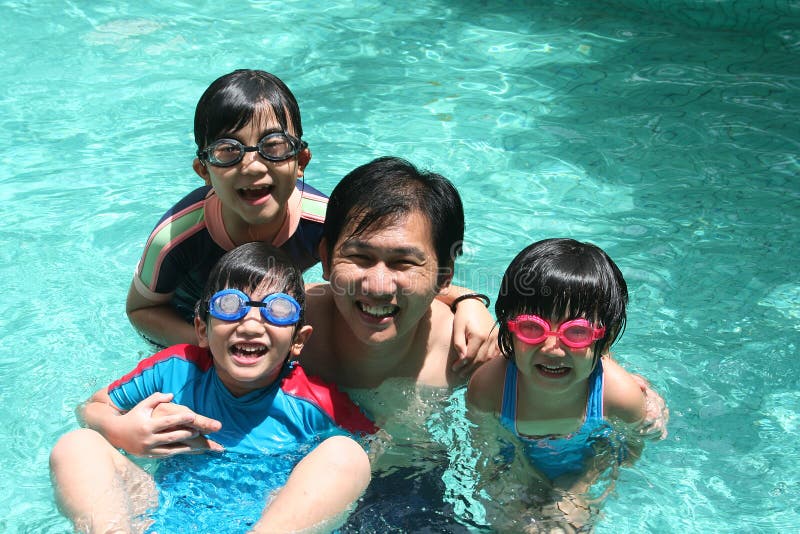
column 249, row 352
column 551, row 364
column 254, row 192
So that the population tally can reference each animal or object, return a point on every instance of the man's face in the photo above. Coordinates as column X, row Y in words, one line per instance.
column 385, row 279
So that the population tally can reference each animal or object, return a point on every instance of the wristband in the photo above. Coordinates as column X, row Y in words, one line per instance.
column 479, row 296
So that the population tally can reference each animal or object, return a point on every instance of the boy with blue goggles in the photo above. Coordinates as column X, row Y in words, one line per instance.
column 238, row 390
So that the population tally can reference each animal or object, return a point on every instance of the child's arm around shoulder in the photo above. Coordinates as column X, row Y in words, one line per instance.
column 485, row 387
column 622, row 397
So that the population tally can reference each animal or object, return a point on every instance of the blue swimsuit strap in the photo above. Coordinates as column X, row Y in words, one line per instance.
column 508, row 410
column 594, row 404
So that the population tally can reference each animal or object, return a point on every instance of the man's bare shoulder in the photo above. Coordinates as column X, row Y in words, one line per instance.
column 316, row 352
column 319, row 300
column 318, row 291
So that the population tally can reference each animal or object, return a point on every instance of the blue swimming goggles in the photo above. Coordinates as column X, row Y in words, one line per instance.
column 279, row 309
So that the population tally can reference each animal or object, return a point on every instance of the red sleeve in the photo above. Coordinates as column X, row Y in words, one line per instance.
column 192, row 353
column 337, row 404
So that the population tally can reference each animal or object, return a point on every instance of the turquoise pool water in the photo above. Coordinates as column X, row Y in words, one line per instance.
column 664, row 131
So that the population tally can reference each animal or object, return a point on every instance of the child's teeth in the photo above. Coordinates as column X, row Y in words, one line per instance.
column 250, row 350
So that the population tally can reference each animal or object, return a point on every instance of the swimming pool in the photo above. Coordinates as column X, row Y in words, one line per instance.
column 665, row 132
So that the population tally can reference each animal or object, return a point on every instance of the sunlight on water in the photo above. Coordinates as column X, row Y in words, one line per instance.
column 665, row 132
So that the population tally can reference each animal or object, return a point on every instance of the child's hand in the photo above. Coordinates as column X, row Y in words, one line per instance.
column 200, row 424
column 474, row 336
column 156, row 428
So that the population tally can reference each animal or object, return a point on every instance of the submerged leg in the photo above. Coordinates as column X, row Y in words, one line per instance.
column 320, row 489
column 96, row 486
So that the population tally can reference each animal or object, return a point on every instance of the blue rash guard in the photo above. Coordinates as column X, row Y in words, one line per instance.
column 265, row 434
column 295, row 409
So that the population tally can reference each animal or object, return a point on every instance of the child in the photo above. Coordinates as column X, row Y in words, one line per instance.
column 249, row 324
column 561, row 306
column 250, row 155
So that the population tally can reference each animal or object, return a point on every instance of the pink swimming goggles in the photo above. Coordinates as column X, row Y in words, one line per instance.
column 576, row 334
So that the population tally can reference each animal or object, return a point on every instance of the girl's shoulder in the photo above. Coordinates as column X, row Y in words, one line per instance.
column 622, row 396
column 485, row 387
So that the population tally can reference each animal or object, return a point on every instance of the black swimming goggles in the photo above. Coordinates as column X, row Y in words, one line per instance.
column 275, row 146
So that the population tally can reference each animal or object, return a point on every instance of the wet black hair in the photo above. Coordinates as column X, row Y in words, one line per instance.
column 388, row 188
column 252, row 266
column 563, row 278
column 231, row 101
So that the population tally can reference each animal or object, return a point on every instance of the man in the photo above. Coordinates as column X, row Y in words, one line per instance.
column 389, row 244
